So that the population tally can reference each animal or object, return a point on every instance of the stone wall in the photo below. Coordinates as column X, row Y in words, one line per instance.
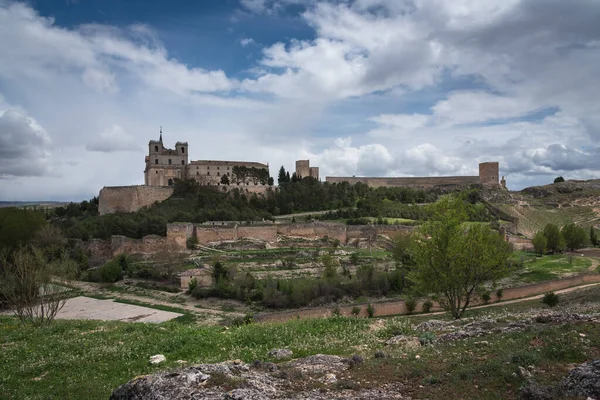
column 126, row 199
column 266, row 233
column 423, row 183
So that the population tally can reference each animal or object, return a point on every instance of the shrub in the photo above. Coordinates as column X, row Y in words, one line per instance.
column 411, row 304
column 370, row 310
column 486, row 297
column 559, row 179
column 427, row 338
column 354, row 258
column 192, row 241
column 245, row 320
column 355, row 311
column 192, row 285
column 550, row 299
column 427, row 305
column 499, row 293
column 336, row 312
column 110, row 272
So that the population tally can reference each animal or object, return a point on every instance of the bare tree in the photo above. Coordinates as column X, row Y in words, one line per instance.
column 32, row 286
column 169, row 259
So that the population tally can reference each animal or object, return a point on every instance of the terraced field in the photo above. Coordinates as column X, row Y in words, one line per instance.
column 533, row 218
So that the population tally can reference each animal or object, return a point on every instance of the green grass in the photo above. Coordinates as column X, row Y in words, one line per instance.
column 548, row 267
column 87, row 359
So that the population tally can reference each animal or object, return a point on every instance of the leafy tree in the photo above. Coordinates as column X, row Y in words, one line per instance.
column 559, row 179
column 18, row 227
column 219, row 271
column 32, row 285
column 555, row 239
column 540, row 243
column 593, row 236
column 575, row 236
column 224, row 180
column 453, row 260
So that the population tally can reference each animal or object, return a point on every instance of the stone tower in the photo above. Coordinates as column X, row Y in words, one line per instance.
column 164, row 165
column 489, row 173
column 302, row 168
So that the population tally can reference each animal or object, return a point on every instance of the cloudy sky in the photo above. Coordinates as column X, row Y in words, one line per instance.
column 360, row 87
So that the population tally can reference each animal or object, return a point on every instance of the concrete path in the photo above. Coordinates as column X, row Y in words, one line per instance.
column 107, row 310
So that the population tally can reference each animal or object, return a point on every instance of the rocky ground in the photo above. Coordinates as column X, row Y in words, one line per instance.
column 334, row 377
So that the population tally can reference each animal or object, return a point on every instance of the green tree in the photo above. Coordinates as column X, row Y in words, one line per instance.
column 453, row 260
column 559, row 179
column 540, row 243
column 593, row 236
column 281, row 177
column 224, row 180
column 18, row 227
column 556, row 241
column 575, row 236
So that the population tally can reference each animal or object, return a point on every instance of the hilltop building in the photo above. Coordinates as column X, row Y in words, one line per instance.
column 164, row 165
column 303, row 170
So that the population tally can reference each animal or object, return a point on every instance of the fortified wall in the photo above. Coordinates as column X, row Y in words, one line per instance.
column 126, row 199
column 422, row 183
column 488, row 176
column 100, row 251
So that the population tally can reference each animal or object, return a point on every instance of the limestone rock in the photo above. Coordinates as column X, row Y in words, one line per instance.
column 280, row 354
column 329, row 379
column 584, row 380
column 408, row 342
column 533, row 391
column 432, row 325
column 157, row 359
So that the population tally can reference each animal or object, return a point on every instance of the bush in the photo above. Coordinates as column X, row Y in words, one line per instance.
column 192, row 241
column 370, row 310
column 499, row 293
column 355, row 311
column 110, row 272
column 427, row 338
column 550, row 299
column 486, row 297
column 192, row 285
column 427, row 306
column 411, row 304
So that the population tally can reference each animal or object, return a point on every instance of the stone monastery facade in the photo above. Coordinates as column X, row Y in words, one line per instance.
column 164, row 166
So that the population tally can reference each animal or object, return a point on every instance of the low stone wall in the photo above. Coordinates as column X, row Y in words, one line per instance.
column 265, row 233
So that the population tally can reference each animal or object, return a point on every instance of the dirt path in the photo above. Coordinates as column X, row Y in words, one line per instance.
column 537, row 296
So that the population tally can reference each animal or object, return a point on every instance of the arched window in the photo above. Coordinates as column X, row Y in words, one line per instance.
column 156, row 161
column 169, row 161
column 208, row 173
column 182, row 162
column 155, row 148
column 183, row 150
column 218, row 174
column 170, row 182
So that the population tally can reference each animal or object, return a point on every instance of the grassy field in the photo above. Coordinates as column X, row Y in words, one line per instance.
column 549, row 267
column 87, row 359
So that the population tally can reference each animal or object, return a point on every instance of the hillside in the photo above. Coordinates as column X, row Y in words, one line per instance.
column 559, row 203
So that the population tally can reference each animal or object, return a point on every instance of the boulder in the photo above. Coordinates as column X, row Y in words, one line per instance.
column 408, row 342
column 157, row 359
column 280, row 354
column 584, row 380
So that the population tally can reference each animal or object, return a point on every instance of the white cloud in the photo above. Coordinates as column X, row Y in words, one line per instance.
column 246, row 42
column 113, row 139
column 24, row 146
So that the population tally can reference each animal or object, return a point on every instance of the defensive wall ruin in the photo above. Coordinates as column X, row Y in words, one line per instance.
column 126, row 199
column 488, row 176
column 99, row 250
